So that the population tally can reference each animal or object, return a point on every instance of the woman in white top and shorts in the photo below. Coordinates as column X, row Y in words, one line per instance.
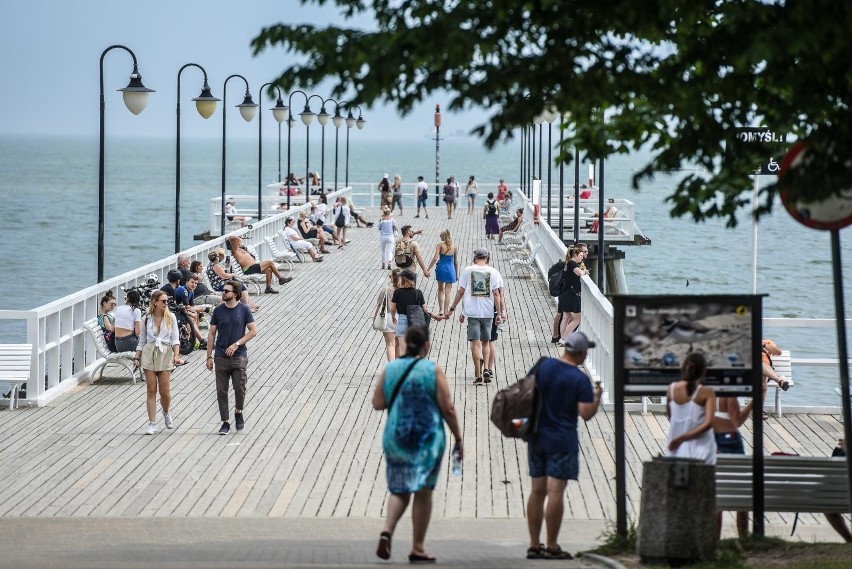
column 158, row 353
column 387, row 227
column 127, row 323
column 690, row 409
column 471, row 191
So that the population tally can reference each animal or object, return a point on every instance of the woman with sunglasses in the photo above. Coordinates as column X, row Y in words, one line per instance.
column 158, row 353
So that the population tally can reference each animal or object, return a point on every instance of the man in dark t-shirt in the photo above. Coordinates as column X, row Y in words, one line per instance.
column 566, row 393
column 231, row 326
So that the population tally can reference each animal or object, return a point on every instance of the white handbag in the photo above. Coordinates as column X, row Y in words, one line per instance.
column 380, row 319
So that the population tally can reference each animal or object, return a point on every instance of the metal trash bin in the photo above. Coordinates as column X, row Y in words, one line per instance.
column 677, row 512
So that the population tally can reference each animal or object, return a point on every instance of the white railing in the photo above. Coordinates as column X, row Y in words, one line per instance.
column 597, row 320
column 64, row 353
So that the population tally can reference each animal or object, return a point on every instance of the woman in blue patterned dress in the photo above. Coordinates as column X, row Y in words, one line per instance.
column 417, row 396
column 446, row 270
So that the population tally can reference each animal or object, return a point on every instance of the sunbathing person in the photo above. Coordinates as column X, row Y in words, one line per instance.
column 513, row 225
column 218, row 275
column 310, row 231
column 251, row 266
column 298, row 243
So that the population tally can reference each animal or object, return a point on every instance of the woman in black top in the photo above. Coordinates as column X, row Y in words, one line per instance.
column 569, row 300
column 404, row 297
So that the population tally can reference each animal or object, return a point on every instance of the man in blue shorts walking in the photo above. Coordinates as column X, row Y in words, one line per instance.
column 566, row 392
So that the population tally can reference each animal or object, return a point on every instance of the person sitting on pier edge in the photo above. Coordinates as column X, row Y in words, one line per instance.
column 251, row 266
column 294, row 180
column 203, row 295
column 513, row 225
column 300, row 244
column 315, row 180
column 309, row 231
column 231, row 212
column 184, row 295
column 407, row 251
column 217, row 275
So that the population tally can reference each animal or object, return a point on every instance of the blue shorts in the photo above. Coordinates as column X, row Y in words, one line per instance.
column 479, row 329
column 729, row 443
column 561, row 465
column 421, row 201
column 401, row 324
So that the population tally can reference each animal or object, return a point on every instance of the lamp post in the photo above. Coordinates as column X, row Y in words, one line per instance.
column 135, row 99
column 307, row 117
column 350, row 122
column 337, row 120
column 248, row 109
column 205, row 104
column 280, row 115
column 549, row 115
column 290, row 132
column 437, row 153
column 323, row 117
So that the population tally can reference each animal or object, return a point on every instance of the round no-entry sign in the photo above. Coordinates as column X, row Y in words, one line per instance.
column 832, row 213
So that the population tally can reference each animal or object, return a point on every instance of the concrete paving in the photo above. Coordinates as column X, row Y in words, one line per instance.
column 249, row 543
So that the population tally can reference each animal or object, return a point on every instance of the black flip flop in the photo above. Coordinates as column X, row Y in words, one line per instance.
column 556, row 553
column 383, row 551
column 417, row 559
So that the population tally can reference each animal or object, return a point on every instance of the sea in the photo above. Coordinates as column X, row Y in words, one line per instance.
column 49, row 185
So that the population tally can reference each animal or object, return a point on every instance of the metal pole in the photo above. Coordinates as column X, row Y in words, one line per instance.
column 348, row 128
column 540, row 147
column 307, row 161
column 576, row 195
column 289, row 134
column 840, row 320
column 177, row 166
column 754, row 196
column 279, row 151
column 224, row 150
column 530, row 159
column 521, row 161
column 336, row 149
column 260, row 153
column 549, row 158
column 561, row 183
column 601, row 286
column 437, row 152
column 322, row 158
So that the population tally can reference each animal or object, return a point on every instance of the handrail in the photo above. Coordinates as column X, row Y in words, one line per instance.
column 64, row 354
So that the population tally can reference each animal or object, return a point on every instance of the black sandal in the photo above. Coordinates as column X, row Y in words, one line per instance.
column 535, row 552
column 383, row 551
column 416, row 558
column 556, row 553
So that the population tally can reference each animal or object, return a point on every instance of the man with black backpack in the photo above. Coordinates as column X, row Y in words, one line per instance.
column 407, row 251
column 554, row 447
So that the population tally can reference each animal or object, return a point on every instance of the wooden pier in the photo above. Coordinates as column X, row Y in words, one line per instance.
column 312, row 443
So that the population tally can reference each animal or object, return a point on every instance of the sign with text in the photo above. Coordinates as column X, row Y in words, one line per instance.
column 654, row 334
column 772, row 145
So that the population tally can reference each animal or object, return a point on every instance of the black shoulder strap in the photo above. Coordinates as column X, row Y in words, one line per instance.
column 401, row 381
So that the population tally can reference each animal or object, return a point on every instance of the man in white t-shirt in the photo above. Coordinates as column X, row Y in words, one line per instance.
column 481, row 287
column 422, row 196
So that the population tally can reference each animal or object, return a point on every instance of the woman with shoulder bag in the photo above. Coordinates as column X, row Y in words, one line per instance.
column 341, row 214
column 415, row 392
column 158, row 353
column 450, row 197
column 383, row 307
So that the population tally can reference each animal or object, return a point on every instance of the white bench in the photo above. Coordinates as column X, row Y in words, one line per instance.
column 15, row 360
column 783, row 367
column 124, row 359
column 815, row 484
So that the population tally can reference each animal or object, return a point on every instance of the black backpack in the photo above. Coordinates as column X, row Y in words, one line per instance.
column 492, row 208
column 557, row 278
column 516, row 409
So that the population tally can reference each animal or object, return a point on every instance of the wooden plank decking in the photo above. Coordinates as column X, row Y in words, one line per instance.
column 312, row 444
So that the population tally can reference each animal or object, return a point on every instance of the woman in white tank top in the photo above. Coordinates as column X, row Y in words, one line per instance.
column 690, row 408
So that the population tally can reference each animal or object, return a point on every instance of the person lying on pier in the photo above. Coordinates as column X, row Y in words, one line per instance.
column 513, row 225
column 310, row 231
column 231, row 213
column 298, row 243
column 217, row 275
column 252, row 266
column 182, row 300
column 294, row 180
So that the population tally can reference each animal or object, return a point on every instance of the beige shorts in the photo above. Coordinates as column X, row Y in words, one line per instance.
column 155, row 360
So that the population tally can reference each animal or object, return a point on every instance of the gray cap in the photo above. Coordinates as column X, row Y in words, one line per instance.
column 481, row 253
column 578, row 342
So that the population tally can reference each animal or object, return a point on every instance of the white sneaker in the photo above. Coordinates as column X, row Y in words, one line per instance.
column 167, row 417
column 152, row 428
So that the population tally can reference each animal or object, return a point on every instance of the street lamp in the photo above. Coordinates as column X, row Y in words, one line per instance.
column 276, row 113
column 549, row 114
column 337, row 120
column 248, row 109
column 308, row 117
column 290, row 132
column 205, row 104
column 280, row 112
column 135, row 99
column 350, row 122
column 323, row 117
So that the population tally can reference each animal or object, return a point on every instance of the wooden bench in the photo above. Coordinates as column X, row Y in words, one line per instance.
column 15, row 360
column 783, row 366
column 815, row 484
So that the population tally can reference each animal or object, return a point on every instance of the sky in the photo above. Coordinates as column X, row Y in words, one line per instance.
column 50, row 66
